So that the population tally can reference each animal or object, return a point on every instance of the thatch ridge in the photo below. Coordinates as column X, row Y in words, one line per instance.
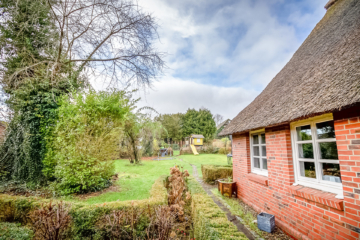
column 329, row 4
column 322, row 76
column 223, row 123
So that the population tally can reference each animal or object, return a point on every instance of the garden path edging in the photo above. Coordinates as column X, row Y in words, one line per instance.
column 232, row 218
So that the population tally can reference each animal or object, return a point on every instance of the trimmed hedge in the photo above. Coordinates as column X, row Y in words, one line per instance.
column 209, row 221
column 14, row 231
column 84, row 216
column 213, row 172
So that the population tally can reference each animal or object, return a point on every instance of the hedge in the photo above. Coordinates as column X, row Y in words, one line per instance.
column 209, row 221
column 14, row 231
column 84, row 216
column 213, row 172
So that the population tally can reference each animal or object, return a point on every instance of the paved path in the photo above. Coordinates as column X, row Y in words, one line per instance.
column 230, row 217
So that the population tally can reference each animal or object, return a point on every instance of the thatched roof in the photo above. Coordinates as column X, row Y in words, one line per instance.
column 197, row 136
column 322, row 76
column 224, row 123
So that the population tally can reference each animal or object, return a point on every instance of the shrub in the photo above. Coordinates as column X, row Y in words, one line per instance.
column 51, row 221
column 214, row 172
column 85, row 217
column 209, row 221
column 224, row 150
column 14, row 231
column 86, row 136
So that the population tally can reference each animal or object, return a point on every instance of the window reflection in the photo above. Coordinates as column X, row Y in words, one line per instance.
column 331, row 172
column 328, row 150
column 263, row 138
column 264, row 163
column 256, row 151
column 325, row 130
column 306, row 150
column 256, row 162
column 307, row 169
column 303, row 133
column 255, row 139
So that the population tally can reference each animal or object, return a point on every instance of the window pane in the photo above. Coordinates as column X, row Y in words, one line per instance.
column 263, row 138
column 306, row 150
column 256, row 162
column 331, row 172
column 256, row 151
column 303, row 133
column 264, row 163
column 255, row 139
column 325, row 130
column 263, row 151
column 328, row 150
column 307, row 169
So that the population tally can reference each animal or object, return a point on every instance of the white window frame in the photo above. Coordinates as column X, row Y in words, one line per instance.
column 198, row 140
column 317, row 182
column 260, row 170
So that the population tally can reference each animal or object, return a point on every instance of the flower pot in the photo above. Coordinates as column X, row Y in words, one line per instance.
column 226, row 187
column 266, row 222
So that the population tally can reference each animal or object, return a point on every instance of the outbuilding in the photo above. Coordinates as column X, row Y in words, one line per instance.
column 296, row 147
column 196, row 139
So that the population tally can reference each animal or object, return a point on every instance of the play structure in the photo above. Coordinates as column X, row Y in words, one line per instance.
column 196, row 140
column 164, row 154
column 193, row 148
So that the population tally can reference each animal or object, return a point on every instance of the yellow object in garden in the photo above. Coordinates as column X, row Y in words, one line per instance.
column 193, row 148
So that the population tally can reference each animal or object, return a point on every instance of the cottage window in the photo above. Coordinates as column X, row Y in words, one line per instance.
column 198, row 140
column 258, row 154
column 316, row 161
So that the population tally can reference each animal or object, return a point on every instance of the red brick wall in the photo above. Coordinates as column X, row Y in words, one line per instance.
column 301, row 217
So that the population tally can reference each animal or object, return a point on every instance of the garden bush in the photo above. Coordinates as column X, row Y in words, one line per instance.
column 85, row 218
column 224, row 150
column 209, row 221
column 213, row 172
column 14, row 231
column 85, row 138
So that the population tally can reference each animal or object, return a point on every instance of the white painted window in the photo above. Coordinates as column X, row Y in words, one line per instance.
column 198, row 140
column 316, row 162
column 258, row 153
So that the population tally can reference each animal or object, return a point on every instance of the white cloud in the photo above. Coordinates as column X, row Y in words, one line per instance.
column 221, row 54
column 175, row 95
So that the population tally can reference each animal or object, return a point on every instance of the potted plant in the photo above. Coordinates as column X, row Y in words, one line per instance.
column 227, row 186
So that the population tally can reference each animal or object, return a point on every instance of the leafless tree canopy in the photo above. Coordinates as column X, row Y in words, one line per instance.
column 111, row 38
column 218, row 119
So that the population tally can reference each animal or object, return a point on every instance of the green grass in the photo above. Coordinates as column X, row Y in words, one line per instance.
column 135, row 181
column 215, row 159
column 237, row 209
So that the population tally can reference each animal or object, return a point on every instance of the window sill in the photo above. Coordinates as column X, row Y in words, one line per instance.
column 258, row 179
column 318, row 196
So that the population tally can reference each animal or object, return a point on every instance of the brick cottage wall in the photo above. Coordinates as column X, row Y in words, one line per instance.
column 302, row 212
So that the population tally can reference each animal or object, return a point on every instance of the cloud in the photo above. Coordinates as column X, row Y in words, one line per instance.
column 221, row 54
column 175, row 95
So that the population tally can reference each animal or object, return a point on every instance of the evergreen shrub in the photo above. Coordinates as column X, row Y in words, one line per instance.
column 214, row 172
column 14, row 231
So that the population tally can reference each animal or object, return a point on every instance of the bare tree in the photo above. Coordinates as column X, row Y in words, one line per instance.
column 111, row 38
column 218, row 119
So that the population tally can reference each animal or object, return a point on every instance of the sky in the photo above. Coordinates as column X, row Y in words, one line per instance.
column 222, row 53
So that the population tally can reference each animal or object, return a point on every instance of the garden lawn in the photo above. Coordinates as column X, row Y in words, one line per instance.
column 135, row 181
column 197, row 160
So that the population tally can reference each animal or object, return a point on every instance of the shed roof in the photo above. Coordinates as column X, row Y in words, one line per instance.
column 322, row 76
column 197, row 136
